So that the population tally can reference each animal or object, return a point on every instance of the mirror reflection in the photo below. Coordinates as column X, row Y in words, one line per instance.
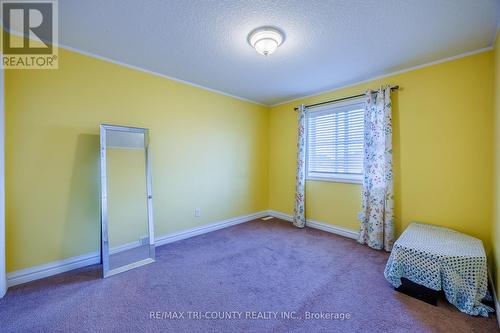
column 127, row 229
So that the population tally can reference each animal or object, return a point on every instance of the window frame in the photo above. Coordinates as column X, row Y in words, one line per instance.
column 334, row 177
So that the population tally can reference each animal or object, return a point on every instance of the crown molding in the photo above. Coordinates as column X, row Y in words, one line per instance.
column 144, row 70
column 383, row 76
column 404, row 70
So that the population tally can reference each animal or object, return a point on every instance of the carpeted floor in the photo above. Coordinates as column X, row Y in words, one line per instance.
column 257, row 270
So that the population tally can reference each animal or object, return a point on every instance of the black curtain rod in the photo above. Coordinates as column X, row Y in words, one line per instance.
column 340, row 99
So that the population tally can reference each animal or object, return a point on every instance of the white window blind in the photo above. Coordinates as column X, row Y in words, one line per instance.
column 335, row 142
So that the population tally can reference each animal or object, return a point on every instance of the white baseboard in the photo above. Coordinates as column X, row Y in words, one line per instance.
column 68, row 264
column 176, row 236
column 52, row 268
column 495, row 299
column 333, row 229
column 319, row 225
column 128, row 246
column 280, row 215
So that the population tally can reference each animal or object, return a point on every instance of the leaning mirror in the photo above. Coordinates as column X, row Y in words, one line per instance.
column 126, row 200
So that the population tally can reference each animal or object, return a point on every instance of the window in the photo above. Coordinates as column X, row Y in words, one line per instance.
column 335, row 142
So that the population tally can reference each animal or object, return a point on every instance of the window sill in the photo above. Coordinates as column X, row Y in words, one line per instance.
column 336, row 180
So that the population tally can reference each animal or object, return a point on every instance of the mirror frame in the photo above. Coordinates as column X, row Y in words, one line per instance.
column 104, row 201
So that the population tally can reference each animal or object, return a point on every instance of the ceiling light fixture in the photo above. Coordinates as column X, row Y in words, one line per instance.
column 265, row 40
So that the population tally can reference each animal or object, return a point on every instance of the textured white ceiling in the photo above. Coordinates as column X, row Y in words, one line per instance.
column 329, row 43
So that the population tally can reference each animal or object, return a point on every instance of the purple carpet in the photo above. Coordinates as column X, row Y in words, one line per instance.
column 254, row 277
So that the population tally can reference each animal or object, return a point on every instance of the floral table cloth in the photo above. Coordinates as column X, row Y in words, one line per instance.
column 442, row 259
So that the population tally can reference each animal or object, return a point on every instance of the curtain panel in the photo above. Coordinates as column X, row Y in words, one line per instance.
column 299, row 218
column 377, row 214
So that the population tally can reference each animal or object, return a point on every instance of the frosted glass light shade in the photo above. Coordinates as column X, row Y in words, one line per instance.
column 265, row 40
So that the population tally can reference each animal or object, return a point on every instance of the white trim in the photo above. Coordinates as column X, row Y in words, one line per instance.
column 341, row 231
column 354, row 104
column 52, row 268
column 332, row 229
column 280, row 215
column 117, row 62
column 125, row 247
column 495, row 299
column 125, row 268
column 383, row 76
column 175, row 236
column 68, row 264
column 144, row 70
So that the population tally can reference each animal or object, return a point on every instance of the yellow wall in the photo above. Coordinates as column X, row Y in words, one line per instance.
column 443, row 139
column 229, row 157
column 208, row 151
column 496, row 224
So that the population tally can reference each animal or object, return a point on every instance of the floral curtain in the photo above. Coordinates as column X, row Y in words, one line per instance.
column 377, row 217
column 299, row 218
